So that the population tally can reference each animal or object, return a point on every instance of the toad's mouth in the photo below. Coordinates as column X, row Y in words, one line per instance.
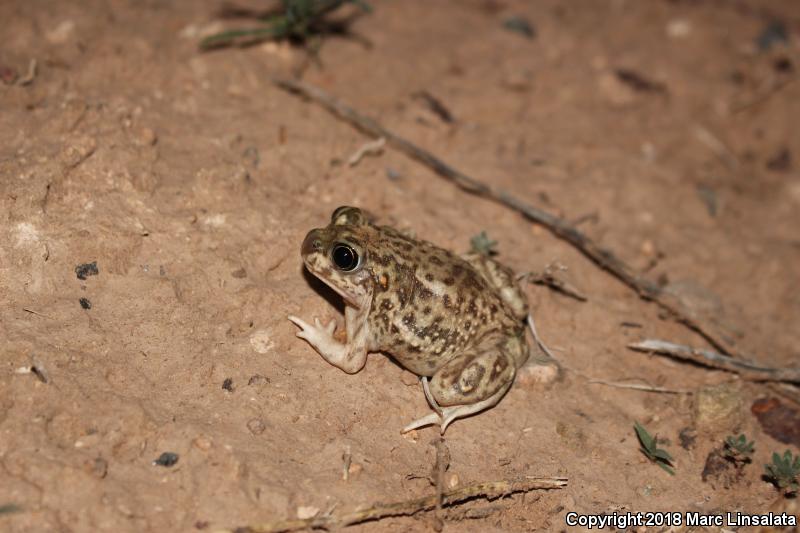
column 351, row 297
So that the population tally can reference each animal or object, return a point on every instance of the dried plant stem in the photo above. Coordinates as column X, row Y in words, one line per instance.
column 638, row 386
column 748, row 370
column 489, row 490
column 602, row 257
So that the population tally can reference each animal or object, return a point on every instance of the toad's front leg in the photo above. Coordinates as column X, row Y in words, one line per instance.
column 350, row 356
column 467, row 384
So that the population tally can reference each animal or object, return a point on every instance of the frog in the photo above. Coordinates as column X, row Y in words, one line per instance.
column 456, row 321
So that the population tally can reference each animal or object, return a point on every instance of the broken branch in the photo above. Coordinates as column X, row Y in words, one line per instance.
column 489, row 490
column 748, row 370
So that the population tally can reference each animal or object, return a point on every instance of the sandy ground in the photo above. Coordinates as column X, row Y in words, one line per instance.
column 661, row 128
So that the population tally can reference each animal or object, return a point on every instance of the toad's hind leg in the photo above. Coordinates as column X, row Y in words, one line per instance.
column 449, row 414
column 467, row 384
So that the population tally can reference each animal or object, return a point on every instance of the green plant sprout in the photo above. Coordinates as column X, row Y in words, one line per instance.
column 299, row 19
column 9, row 508
column 738, row 450
column 482, row 244
column 651, row 450
column 784, row 472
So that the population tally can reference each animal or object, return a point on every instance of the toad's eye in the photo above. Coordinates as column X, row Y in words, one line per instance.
column 344, row 257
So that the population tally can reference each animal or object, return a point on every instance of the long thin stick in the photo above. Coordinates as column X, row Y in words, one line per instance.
column 602, row 257
column 489, row 490
column 746, row 369
column 638, row 386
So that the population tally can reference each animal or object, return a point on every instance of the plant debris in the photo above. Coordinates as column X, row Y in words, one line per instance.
column 650, row 448
column 482, row 244
column 9, row 508
column 520, row 25
column 738, row 450
column 638, row 82
column 298, row 20
column 435, row 105
column 784, row 472
column 774, row 33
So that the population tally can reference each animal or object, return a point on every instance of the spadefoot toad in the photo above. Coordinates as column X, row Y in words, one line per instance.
column 457, row 322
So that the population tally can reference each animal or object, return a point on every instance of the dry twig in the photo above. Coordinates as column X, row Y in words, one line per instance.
column 28, row 78
column 439, row 468
column 638, row 386
column 489, row 490
column 748, row 370
column 373, row 147
column 551, row 277
column 37, row 313
column 602, row 257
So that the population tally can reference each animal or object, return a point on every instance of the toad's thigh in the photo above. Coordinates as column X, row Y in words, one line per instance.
column 472, row 377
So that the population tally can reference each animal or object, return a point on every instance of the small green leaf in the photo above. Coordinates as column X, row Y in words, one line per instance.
column 647, row 441
column 9, row 508
column 482, row 244
column 668, row 469
column 784, row 471
column 662, row 454
column 650, row 448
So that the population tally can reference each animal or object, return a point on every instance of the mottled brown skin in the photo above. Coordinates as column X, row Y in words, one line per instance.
column 458, row 321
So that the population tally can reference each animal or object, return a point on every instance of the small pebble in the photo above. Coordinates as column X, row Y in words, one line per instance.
column 87, row 269
column 97, row 467
column 166, row 459
column 256, row 426
column 146, row 137
column 678, row 28
column 261, row 341
column 520, row 25
column 228, row 384
column 773, row 33
column 451, row 480
column 85, row 303
column 305, row 512
column 202, row 443
column 258, row 379
column 355, row 469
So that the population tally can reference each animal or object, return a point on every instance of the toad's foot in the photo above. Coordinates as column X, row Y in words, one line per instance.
column 449, row 414
column 318, row 336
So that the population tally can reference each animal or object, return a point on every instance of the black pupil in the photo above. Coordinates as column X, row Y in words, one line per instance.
column 345, row 257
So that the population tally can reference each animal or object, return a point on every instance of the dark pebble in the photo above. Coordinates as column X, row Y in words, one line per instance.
column 87, row 269
column 166, row 459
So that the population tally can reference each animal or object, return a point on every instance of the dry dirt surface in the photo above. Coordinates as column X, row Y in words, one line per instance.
column 665, row 130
